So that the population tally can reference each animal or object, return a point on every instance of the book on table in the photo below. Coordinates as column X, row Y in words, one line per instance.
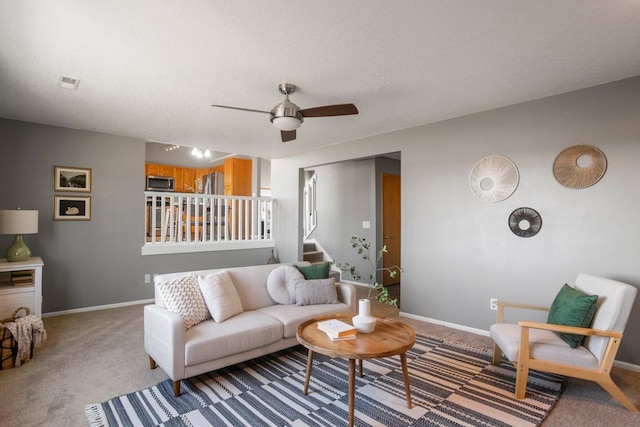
column 336, row 328
column 344, row 338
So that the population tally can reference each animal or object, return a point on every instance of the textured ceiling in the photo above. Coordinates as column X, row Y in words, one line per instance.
column 151, row 69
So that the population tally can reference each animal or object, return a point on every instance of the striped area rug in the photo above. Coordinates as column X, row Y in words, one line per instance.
column 451, row 384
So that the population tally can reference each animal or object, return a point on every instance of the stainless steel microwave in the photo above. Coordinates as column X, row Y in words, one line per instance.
column 160, row 183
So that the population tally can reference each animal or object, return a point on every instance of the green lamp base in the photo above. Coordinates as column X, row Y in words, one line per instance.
column 18, row 251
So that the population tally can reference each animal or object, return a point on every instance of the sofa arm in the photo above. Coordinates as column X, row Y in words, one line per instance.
column 347, row 295
column 164, row 340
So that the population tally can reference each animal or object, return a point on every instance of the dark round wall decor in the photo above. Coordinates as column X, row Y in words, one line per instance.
column 525, row 222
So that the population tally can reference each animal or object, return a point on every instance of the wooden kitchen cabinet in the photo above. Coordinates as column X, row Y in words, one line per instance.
column 166, row 170
column 237, row 177
column 188, row 180
column 178, row 179
column 151, row 169
column 154, row 169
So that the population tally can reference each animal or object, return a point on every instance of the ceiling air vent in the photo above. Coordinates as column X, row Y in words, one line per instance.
column 68, row 82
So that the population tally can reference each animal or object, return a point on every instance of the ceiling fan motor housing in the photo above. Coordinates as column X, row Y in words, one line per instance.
column 286, row 109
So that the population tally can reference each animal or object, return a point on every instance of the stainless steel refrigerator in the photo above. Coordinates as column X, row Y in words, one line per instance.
column 213, row 183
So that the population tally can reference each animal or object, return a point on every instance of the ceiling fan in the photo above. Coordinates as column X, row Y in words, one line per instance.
column 287, row 116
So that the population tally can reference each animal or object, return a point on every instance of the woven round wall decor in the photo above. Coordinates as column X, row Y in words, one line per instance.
column 494, row 178
column 580, row 166
column 525, row 222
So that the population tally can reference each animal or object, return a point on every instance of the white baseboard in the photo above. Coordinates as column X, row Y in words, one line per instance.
column 98, row 307
column 619, row 364
column 447, row 324
column 626, row 365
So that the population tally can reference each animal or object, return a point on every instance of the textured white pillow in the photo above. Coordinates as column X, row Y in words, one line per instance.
column 316, row 291
column 281, row 284
column 183, row 296
column 220, row 295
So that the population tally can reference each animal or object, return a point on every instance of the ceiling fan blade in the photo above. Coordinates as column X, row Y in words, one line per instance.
column 288, row 135
column 241, row 109
column 330, row 110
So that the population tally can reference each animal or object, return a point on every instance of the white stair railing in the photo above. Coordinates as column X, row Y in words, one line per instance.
column 188, row 218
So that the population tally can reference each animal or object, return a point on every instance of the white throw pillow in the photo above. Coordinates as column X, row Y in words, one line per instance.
column 281, row 284
column 183, row 296
column 220, row 295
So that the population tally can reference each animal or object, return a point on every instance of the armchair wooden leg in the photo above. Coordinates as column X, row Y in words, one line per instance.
column 522, row 373
column 176, row 388
column 152, row 363
column 497, row 354
column 616, row 393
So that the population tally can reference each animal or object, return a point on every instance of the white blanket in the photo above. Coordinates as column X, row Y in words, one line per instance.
column 27, row 330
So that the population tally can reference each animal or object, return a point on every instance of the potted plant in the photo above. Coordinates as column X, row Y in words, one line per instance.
column 376, row 290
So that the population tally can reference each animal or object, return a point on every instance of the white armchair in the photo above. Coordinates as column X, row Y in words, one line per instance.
column 532, row 345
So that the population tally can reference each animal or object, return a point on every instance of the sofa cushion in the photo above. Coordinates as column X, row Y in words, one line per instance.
column 251, row 284
column 292, row 316
column 246, row 331
column 318, row 291
column 220, row 295
column 281, row 284
column 182, row 295
column 572, row 307
column 315, row 271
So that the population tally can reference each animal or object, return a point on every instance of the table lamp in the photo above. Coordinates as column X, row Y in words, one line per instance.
column 18, row 222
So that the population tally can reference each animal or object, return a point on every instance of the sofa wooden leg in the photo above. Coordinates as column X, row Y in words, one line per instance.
column 176, row 388
column 152, row 363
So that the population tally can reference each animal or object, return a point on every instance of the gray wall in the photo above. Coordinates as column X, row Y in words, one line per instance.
column 97, row 262
column 345, row 193
column 457, row 250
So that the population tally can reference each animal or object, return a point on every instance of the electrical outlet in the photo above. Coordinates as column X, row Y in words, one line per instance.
column 147, row 278
column 493, row 303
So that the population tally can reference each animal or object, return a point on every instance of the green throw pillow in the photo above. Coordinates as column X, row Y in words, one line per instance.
column 572, row 307
column 315, row 271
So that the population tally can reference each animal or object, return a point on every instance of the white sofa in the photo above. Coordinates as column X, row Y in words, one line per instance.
column 263, row 327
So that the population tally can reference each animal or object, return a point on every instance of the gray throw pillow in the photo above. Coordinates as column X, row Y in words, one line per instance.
column 316, row 291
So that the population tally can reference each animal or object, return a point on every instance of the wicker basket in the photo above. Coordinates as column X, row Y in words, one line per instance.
column 8, row 345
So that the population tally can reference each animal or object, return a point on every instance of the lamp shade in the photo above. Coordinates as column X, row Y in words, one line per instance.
column 18, row 221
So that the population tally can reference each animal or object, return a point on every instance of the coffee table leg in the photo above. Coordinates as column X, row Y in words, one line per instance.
column 360, row 362
column 352, row 390
column 405, row 372
column 308, row 376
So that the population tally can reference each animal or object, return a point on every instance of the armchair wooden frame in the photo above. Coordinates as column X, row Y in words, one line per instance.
column 525, row 362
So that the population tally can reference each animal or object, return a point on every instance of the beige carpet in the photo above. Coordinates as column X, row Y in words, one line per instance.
column 92, row 357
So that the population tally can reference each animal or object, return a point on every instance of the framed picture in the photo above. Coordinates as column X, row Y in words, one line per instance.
column 71, row 179
column 71, row 208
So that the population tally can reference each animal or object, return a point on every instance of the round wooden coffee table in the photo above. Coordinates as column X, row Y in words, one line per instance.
column 390, row 338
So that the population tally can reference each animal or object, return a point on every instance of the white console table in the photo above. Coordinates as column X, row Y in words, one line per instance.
column 21, row 285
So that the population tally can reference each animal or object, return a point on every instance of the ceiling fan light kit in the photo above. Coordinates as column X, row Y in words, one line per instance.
column 286, row 123
column 287, row 116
